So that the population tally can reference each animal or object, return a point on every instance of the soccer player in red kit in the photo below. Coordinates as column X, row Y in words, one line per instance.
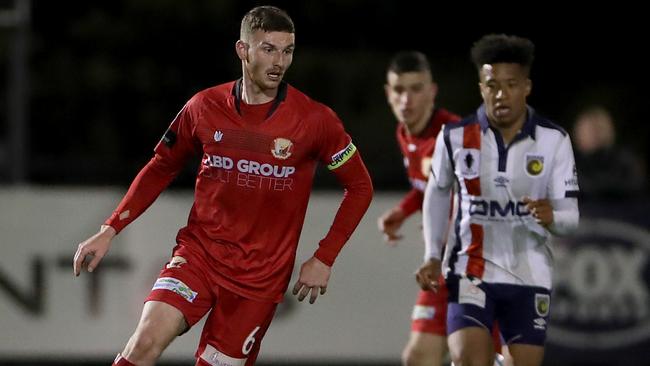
column 411, row 91
column 259, row 140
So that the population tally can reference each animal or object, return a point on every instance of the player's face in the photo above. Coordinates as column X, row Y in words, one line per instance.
column 410, row 95
column 266, row 57
column 504, row 88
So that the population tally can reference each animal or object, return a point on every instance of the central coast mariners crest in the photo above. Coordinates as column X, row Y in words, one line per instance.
column 534, row 165
column 542, row 304
column 282, row 148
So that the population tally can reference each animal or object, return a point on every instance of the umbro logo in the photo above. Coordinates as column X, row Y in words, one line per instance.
column 218, row 135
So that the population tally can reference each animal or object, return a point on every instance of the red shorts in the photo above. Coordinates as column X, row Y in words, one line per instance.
column 430, row 311
column 236, row 325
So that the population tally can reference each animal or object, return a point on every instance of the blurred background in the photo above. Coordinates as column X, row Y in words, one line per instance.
column 88, row 88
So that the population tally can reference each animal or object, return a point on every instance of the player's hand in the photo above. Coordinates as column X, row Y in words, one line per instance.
column 541, row 210
column 389, row 223
column 314, row 276
column 95, row 246
column 427, row 275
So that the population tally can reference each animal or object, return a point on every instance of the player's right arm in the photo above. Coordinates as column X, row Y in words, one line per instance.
column 176, row 146
column 435, row 215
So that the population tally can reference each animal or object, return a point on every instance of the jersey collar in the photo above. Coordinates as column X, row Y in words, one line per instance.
column 279, row 98
column 527, row 129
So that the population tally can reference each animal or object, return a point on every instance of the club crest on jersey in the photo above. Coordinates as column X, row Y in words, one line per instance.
column 282, row 148
column 534, row 165
column 542, row 304
column 469, row 163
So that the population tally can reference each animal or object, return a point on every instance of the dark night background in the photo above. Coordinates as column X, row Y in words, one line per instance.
column 107, row 77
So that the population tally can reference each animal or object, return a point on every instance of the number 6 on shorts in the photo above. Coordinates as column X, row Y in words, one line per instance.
column 249, row 342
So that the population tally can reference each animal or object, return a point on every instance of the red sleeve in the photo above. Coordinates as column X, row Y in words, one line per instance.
column 145, row 188
column 412, row 202
column 173, row 150
column 354, row 178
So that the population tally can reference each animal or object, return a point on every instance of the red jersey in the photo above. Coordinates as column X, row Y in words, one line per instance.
column 253, row 184
column 417, row 152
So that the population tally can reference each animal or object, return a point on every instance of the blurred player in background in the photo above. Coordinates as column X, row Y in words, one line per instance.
column 517, row 185
column 259, row 140
column 411, row 92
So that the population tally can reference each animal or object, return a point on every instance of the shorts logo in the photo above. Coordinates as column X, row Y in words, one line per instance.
column 215, row 357
column 470, row 293
column 177, row 286
column 282, row 148
column 534, row 165
column 542, row 304
column 469, row 163
column 423, row 312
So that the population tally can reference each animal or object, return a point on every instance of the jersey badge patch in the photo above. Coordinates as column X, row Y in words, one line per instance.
column 469, row 162
column 282, row 148
column 534, row 165
column 542, row 304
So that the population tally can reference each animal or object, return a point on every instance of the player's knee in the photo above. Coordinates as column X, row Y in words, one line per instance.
column 143, row 347
column 469, row 357
column 416, row 356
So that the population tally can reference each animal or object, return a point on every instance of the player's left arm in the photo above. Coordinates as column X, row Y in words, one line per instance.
column 342, row 158
column 559, row 212
column 315, row 273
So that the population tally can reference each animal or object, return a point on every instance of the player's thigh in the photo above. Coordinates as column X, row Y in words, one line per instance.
column 471, row 346
column 160, row 323
column 470, row 320
column 525, row 355
column 425, row 349
column 234, row 330
column 184, row 285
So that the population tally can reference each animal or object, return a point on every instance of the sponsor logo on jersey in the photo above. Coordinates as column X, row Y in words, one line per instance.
column 248, row 166
column 282, row 148
column 534, row 165
column 494, row 208
column 469, row 163
column 177, row 286
column 342, row 156
column 539, row 323
column 572, row 182
column 218, row 135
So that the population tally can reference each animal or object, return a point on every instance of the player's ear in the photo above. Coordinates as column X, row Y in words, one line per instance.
column 529, row 86
column 241, row 48
column 434, row 89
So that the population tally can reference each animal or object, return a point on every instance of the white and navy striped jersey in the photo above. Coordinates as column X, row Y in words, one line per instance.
column 493, row 236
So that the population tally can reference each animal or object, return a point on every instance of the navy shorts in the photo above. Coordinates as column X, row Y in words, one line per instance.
column 521, row 311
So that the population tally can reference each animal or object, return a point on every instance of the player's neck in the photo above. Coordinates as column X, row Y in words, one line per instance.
column 508, row 133
column 418, row 127
column 253, row 94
